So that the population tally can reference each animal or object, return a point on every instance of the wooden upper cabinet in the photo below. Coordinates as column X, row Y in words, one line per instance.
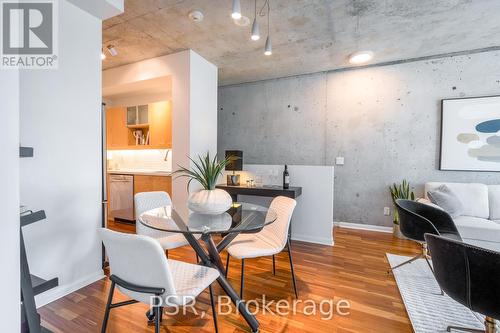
column 116, row 127
column 160, row 124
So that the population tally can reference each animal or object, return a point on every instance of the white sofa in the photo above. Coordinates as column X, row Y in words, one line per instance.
column 480, row 222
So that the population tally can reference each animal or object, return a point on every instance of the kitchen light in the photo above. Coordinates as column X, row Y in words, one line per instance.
column 269, row 48
column 255, row 25
column 111, row 49
column 236, row 14
column 360, row 57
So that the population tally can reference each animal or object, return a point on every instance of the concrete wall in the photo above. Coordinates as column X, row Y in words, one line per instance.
column 60, row 118
column 385, row 121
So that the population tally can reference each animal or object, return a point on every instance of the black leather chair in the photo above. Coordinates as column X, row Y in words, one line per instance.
column 416, row 219
column 468, row 274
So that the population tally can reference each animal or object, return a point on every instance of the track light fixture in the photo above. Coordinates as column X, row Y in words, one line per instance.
column 255, row 25
column 236, row 13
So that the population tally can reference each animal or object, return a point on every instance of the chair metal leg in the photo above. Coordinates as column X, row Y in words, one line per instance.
column 108, row 308
column 464, row 329
column 242, row 277
column 214, row 313
column 406, row 262
column 432, row 270
column 197, row 258
column 227, row 264
column 274, row 265
column 157, row 310
column 291, row 267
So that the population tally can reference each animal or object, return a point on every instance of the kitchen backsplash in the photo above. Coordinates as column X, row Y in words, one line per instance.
column 140, row 160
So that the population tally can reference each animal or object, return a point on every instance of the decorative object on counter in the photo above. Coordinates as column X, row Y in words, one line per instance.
column 235, row 164
column 206, row 171
column 286, row 178
column 399, row 191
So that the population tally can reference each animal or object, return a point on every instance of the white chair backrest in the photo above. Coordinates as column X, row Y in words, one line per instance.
column 278, row 230
column 145, row 201
column 137, row 259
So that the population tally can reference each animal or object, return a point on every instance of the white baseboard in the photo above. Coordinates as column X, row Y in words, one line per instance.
column 316, row 240
column 61, row 291
column 360, row 226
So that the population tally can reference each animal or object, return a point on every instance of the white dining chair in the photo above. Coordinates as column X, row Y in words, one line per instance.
column 145, row 201
column 157, row 280
column 270, row 241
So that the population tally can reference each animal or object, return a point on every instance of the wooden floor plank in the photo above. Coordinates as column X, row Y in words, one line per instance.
column 353, row 270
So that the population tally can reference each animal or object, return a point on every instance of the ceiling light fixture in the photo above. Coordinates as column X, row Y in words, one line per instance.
column 103, row 56
column 269, row 48
column 111, row 49
column 255, row 25
column 236, row 14
column 360, row 57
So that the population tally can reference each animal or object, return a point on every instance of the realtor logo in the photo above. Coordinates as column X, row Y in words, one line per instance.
column 29, row 34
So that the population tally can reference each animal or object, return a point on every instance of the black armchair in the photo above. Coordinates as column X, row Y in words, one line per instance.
column 468, row 274
column 417, row 219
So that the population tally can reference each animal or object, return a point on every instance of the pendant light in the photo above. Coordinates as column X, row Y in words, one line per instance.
column 255, row 25
column 236, row 14
column 269, row 48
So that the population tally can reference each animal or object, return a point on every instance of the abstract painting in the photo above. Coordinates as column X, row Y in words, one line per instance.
column 470, row 134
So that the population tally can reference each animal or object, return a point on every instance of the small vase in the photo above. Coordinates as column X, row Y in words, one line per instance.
column 210, row 202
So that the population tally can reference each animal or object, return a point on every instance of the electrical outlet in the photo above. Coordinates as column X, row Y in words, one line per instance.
column 339, row 160
column 387, row 211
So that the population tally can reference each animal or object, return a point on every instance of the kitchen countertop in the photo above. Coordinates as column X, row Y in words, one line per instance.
column 140, row 172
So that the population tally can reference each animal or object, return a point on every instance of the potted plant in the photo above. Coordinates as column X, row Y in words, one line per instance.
column 206, row 171
column 399, row 191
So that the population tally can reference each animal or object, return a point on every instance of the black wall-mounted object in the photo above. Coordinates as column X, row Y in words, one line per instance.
column 236, row 163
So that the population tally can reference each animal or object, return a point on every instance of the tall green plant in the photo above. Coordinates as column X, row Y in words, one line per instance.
column 205, row 171
column 400, row 191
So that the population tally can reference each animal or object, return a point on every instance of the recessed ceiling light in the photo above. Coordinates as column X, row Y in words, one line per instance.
column 360, row 57
column 196, row 16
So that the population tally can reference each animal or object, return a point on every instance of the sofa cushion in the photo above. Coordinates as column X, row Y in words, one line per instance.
column 473, row 196
column 447, row 200
column 474, row 228
column 494, row 195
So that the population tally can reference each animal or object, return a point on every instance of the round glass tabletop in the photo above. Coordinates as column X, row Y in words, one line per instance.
column 240, row 218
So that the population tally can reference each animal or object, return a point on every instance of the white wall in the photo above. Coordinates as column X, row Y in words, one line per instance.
column 9, row 201
column 313, row 215
column 194, row 106
column 60, row 118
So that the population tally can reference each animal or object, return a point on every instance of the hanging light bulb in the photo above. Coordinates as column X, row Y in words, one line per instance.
column 269, row 47
column 236, row 14
column 255, row 26
column 268, row 50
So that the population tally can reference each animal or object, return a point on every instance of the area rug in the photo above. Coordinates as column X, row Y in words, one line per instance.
column 429, row 311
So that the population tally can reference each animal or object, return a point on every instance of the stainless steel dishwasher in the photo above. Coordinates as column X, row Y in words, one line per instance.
column 121, row 197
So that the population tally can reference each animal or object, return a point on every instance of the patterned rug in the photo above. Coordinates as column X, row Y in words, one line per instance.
column 429, row 311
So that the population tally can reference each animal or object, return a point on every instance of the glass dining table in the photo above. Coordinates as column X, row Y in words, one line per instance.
column 240, row 218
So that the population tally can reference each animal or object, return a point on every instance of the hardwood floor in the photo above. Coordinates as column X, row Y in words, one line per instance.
column 353, row 270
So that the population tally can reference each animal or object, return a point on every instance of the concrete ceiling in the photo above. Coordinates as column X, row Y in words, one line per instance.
column 308, row 35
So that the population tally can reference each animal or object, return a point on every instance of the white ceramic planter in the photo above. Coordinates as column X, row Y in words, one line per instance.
column 210, row 201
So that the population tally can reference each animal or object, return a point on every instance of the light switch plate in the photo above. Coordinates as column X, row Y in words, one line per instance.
column 387, row 211
column 339, row 160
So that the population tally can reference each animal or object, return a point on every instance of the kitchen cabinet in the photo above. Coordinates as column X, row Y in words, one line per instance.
column 144, row 183
column 116, row 130
column 160, row 124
